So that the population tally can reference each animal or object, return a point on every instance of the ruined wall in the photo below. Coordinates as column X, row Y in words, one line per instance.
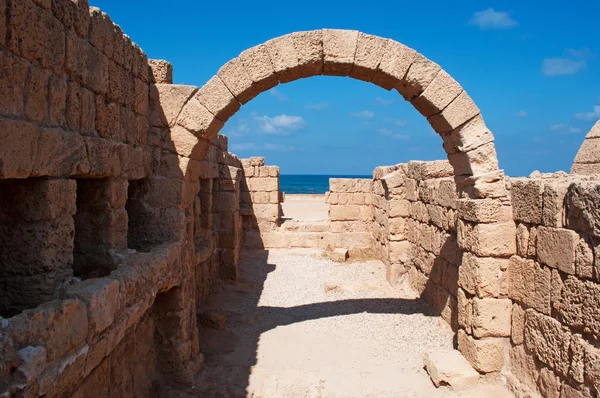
column 114, row 217
column 554, row 282
column 260, row 201
column 350, row 216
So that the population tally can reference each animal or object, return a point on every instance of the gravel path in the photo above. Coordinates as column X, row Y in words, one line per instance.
column 299, row 325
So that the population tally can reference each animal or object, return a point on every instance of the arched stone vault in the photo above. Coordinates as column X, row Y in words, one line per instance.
column 384, row 62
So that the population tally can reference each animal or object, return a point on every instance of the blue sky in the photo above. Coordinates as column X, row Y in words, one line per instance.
column 532, row 68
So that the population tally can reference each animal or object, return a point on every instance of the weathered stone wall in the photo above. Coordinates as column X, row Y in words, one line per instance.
column 260, row 200
column 554, row 282
column 350, row 216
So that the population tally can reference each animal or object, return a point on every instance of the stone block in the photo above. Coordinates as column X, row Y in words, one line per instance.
column 483, row 276
column 19, row 147
column 524, row 367
column 579, row 305
column 162, row 71
column 491, row 317
column 12, row 84
column 339, row 47
column 36, row 35
column 258, row 65
column 167, row 101
column 517, row 324
column 60, row 154
column 37, row 200
column 557, row 248
column 339, row 255
column 36, row 94
column 57, row 102
column 369, row 52
column 309, row 48
column 419, row 76
column 263, row 184
column 493, row 239
column 108, row 115
column 216, row 97
column 468, row 136
column 2, row 23
column 478, row 161
column 465, row 311
column 530, row 284
column 438, row 95
column 483, row 210
column 102, row 301
column 553, row 211
column 59, row 326
column 394, row 65
column 548, row 340
column 197, row 119
column 583, row 207
column 284, row 58
column 236, row 78
column 526, row 197
column 458, row 112
column 267, row 212
column 485, row 355
column 450, row 368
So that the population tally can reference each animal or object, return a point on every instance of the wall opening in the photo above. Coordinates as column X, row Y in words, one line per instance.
column 100, row 226
column 36, row 241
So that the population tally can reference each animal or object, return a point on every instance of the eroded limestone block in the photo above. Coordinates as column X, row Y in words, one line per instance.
column 485, row 355
column 438, row 95
column 450, row 368
column 258, row 65
column 369, row 52
column 394, row 65
column 339, row 47
column 309, row 47
column 459, row 111
column 236, row 78
column 217, row 98
column 162, row 71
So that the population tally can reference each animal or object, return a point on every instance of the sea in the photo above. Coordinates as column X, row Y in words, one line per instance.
column 309, row 184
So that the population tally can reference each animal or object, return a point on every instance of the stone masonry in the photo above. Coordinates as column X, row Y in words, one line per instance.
column 121, row 208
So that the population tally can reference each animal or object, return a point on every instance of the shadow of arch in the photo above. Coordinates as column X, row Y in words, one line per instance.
column 468, row 142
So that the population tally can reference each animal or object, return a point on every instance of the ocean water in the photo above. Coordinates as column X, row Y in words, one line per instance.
column 309, row 184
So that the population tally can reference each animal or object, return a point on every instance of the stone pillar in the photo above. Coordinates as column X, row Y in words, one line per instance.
column 226, row 206
column 487, row 236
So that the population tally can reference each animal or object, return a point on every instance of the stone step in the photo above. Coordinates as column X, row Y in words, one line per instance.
column 450, row 368
column 305, row 226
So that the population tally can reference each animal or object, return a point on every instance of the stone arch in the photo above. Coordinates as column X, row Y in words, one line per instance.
column 587, row 160
column 448, row 108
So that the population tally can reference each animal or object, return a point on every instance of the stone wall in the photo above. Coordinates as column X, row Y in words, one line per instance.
column 350, row 216
column 260, row 201
column 554, row 282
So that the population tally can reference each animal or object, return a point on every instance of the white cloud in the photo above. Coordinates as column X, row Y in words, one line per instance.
column 398, row 122
column 574, row 130
column 316, row 107
column 384, row 102
column 562, row 66
column 364, row 114
column 583, row 52
column 396, row 136
column 240, row 130
column 557, row 127
column 279, row 95
column 594, row 115
column 521, row 114
column 492, row 19
column 282, row 124
column 251, row 146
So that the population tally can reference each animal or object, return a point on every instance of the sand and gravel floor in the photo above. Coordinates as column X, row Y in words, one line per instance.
column 299, row 325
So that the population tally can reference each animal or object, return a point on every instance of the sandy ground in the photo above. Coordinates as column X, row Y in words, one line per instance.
column 305, row 207
column 299, row 325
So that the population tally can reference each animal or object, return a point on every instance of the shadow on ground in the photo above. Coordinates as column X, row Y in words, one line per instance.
column 231, row 353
